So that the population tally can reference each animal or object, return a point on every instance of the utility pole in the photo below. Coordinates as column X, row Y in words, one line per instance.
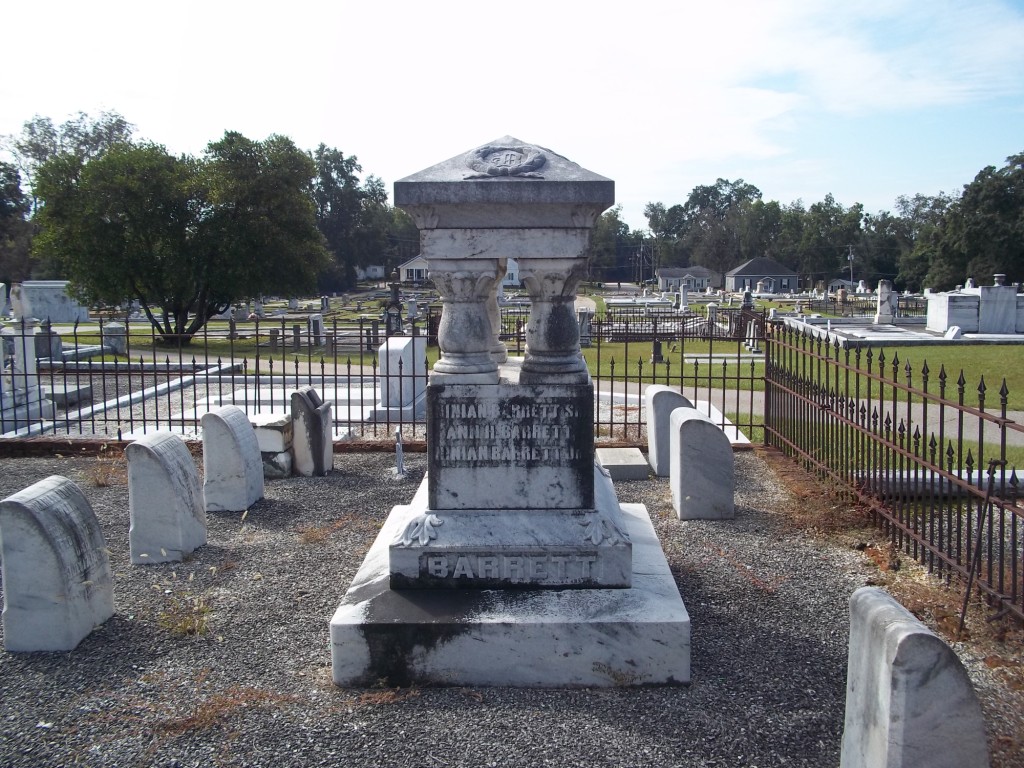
column 850, row 259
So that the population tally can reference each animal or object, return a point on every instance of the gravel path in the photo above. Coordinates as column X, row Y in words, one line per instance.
column 768, row 606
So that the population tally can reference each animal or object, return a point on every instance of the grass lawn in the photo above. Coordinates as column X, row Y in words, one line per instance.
column 993, row 362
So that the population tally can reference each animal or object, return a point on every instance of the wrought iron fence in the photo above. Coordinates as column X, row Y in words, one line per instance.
column 927, row 454
column 112, row 379
column 865, row 306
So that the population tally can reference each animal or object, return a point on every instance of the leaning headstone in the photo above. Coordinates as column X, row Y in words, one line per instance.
column 909, row 701
column 232, row 466
column 165, row 500
column 56, row 573
column 953, row 333
column 312, row 430
column 660, row 401
column 702, row 472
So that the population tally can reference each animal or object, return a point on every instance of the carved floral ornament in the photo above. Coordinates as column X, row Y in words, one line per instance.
column 491, row 161
column 463, row 285
column 550, row 282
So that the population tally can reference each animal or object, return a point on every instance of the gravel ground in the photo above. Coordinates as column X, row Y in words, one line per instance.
column 768, row 606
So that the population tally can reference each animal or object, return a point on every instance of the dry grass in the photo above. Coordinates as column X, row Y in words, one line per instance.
column 318, row 534
column 108, row 471
column 186, row 615
column 216, row 709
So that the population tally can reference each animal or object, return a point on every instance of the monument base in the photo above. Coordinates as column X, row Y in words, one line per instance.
column 512, row 548
column 519, row 638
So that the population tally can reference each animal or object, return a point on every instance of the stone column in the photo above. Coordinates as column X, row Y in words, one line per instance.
column 552, row 335
column 499, row 353
column 465, row 334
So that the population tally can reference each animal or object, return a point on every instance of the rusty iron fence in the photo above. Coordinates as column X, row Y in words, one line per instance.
column 929, row 455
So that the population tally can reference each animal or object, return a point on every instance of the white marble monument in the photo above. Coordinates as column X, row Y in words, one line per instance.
column 515, row 547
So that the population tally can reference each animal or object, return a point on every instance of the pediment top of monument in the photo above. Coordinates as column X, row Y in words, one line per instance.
column 506, row 159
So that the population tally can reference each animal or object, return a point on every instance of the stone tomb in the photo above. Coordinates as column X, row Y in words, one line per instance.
column 514, row 564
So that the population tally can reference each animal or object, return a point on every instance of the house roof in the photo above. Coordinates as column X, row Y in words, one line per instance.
column 762, row 265
column 694, row 271
column 410, row 261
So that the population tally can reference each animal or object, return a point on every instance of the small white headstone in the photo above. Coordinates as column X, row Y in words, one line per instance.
column 165, row 500
column 56, row 573
column 909, row 701
column 953, row 332
column 232, row 465
column 660, row 401
column 702, row 472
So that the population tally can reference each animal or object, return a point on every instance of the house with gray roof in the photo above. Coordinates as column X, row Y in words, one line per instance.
column 695, row 278
column 774, row 277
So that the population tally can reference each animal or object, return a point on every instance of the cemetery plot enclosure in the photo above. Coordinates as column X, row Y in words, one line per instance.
column 101, row 391
column 927, row 455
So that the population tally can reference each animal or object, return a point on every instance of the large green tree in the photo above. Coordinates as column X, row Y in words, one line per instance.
column 829, row 231
column 14, row 226
column 983, row 233
column 184, row 236
column 84, row 136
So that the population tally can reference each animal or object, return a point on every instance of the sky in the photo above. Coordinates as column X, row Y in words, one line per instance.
column 867, row 100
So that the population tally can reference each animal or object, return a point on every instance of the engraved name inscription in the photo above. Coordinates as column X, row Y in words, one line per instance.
column 475, row 434
column 547, row 568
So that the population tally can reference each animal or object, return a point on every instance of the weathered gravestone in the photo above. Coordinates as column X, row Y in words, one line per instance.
column 232, row 464
column 702, row 473
column 165, row 500
column 578, row 590
column 56, row 574
column 909, row 701
column 660, row 401
column 312, row 434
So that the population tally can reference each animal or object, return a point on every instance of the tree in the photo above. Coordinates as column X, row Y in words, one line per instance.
column 184, row 236
column 14, row 227
column 612, row 245
column 984, row 232
column 337, row 198
column 83, row 136
column 921, row 217
column 713, row 214
column 828, row 232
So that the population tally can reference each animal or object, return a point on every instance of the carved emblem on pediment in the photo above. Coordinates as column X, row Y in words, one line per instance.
column 490, row 162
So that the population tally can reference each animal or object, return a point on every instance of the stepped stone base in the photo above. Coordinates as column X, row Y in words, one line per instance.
column 521, row 638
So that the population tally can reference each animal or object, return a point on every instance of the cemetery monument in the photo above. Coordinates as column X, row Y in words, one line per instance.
column 514, row 564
